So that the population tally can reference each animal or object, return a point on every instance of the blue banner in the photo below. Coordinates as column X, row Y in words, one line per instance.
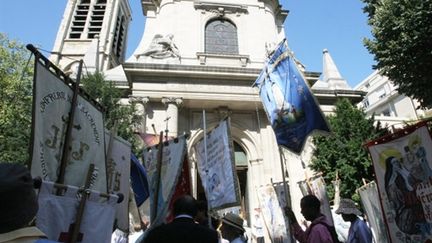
column 139, row 181
column 290, row 105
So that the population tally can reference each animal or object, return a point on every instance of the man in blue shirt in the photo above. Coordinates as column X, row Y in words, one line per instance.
column 358, row 232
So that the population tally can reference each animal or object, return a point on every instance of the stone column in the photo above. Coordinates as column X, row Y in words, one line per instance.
column 171, row 119
column 141, row 104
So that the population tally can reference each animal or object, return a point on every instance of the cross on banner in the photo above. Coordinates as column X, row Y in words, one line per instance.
column 66, row 236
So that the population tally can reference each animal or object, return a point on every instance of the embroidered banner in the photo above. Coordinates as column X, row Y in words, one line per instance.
column 172, row 161
column 217, row 167
column 371, row 204
column 404, row 178
column 51, row 106
column 118, row 174
column 290, row 106
column 273, row 214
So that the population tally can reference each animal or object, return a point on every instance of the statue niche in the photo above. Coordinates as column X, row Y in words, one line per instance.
column 162, row 47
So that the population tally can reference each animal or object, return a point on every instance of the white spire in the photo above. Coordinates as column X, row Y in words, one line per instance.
column 331, row 74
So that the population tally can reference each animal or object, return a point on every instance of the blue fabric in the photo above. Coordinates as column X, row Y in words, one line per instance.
column 45, row 241
column 290, row 105
column 139, row 181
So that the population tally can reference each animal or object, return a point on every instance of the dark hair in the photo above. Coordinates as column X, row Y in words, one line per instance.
column 185, row 205
column 311, row 201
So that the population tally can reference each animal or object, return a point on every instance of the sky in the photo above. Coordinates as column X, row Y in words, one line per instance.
column 311, row 26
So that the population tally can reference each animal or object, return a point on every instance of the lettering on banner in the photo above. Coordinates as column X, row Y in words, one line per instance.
column 113, row 176
column 424, row 194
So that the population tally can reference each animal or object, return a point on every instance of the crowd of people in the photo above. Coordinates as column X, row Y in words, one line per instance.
column 18, row 207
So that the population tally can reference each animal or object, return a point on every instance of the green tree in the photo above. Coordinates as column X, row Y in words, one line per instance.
column 123, row 116
column 343, row 151
column 15, row 101
column 402, row 42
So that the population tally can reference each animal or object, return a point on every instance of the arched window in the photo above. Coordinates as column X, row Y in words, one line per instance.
column 221, row 37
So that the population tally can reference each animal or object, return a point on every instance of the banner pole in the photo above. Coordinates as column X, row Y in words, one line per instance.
column 67, row 141
column 205, row 161
column 113, row 134
column 158, row 176
column 81, row 207
column 287, row 197
column 286, row 190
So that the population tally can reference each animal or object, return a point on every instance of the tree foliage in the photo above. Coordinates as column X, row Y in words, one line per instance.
column 343, row 151
column 15, row 101
column 402, row 44
column 123, row 116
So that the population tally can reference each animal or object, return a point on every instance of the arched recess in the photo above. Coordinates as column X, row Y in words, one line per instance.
column 243, row 143
column 221, row 37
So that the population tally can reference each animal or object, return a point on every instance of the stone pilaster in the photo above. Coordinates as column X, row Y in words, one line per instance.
column 172, row 104
column 141, row 104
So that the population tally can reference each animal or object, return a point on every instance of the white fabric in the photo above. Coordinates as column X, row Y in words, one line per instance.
column 119, row 236
column 52, row 101
column 272, row 213
column 370, row 202
column 217, row 167
column 57, row 213
column 118, row 174
column 172, row 159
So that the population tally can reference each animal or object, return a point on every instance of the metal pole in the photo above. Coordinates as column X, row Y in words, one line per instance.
column 205, row 162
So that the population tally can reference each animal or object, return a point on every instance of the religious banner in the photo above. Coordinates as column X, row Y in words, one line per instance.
column 316, row 186
column 118, row 173
column 173, row 153
column 216, row 167
column 290, row 106
column 51, row 106
column 402, row 164
column 371, row 204
column 57, row 215
column 273, row 214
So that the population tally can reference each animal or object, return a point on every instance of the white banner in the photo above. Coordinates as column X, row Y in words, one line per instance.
column 57, row 214
column 316, row 186
column 218, row 173
column 172, row 160
column 404, row 178
column 118, row 173
column 371, row 204
column 273, row 214
column 51, row 106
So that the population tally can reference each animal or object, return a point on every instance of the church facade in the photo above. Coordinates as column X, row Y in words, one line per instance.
column 197, row 56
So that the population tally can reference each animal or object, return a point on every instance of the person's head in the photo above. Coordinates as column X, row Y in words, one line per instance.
column 185, row 205
column 18, row 202
column 232, row 226
column 310, row 207
column 348, row 210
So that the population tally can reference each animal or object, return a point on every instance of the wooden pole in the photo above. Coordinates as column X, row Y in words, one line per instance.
column 158, row 176
column 287, row 197
column 66, row 150
column 80, row 212
column 286, row 190
column 108, row 155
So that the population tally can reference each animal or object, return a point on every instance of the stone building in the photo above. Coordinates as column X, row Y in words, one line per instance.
column 391, row 108
column 199, row 55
